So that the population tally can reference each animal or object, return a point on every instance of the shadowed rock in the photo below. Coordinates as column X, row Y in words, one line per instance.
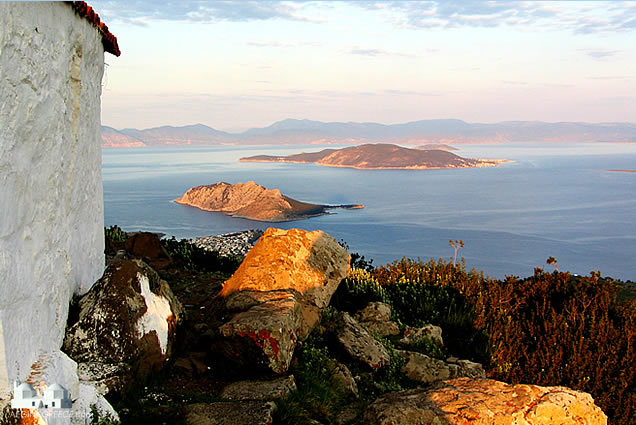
column 231, row 413
column 129, row 316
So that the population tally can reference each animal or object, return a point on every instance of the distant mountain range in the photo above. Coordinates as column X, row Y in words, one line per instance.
column 294, row 132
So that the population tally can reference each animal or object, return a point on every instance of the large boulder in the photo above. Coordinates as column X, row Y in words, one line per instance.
column 485, row 402
column 275, row 297
column 129, row 316
column 312, row 263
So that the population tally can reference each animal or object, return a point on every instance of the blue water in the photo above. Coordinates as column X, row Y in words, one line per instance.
column 553, row 200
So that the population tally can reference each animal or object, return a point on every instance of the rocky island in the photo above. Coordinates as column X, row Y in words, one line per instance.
column 380, row 156
column 252, row 201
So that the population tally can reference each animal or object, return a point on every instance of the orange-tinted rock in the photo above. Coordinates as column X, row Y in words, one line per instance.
column 312, row 263
column 276, row 295
column 485, row 402
column 249, row 200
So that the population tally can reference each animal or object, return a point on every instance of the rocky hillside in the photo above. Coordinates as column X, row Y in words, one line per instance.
column 380, row 156
column 252, row 201
column 294, row 336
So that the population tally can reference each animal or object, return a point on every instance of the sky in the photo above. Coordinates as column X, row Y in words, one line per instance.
column 233, row 65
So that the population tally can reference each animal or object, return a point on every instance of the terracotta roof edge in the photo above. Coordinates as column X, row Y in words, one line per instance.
column 108, row 38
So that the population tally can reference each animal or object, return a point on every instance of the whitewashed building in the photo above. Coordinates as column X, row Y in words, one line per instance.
column 25, row 397
column 51, row 201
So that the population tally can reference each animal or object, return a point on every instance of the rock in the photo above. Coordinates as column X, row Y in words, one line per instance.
column 109, row 379
column 231, row 413
column 312, row 263
column 465, row 368
column 276, row 295
column 342, row 375
column 347, row 415
column 148, row 246
column 129, row 316
column 259, row 390
column 265, row 335
column 485, row 402
column 431, row 332
column 183, row 366
column 359, row 344
column 422, row 368
column 376, row 317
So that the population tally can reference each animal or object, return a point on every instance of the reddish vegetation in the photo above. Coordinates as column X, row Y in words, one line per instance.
column 108, row 38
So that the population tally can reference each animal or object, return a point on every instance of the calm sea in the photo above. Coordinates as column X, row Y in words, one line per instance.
column 553, row 200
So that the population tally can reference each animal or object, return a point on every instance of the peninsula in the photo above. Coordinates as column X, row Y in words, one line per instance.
column 252, row 201
column 381, row 156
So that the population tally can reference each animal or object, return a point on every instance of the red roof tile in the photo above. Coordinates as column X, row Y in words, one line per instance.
column 108, row 38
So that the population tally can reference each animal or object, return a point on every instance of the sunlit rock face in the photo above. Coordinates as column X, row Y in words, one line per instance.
column 51, row 203
column 485, row 402
column 275, row 297
column 129, row 316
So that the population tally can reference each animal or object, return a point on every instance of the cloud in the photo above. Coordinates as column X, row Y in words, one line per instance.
column 141, row 12
column 576, row 17
column 599, row 53
column 281, row 44
column 366, row 52
column 379, row 52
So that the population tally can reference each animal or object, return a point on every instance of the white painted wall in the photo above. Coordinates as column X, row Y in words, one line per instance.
column 51, row 201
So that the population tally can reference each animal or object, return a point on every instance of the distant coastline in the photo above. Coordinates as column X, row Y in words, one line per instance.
column 622, row 171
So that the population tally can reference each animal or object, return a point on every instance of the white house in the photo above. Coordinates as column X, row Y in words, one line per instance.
column 25, row 397
column 51, row 201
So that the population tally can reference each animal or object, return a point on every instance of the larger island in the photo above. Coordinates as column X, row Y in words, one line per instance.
column 252, row 201
column 380, row 156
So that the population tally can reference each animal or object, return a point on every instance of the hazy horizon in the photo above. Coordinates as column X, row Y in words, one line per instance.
column 238, row 65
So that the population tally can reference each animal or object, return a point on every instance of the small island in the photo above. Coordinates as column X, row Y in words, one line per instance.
column 252, row 201
column 380, row 157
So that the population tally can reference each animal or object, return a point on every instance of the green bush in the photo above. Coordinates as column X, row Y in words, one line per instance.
column 318, row 395
column 115, row 234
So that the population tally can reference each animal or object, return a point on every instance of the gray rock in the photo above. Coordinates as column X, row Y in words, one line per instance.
column 231, row 413
column 108, row 378
column 465, row 368
column 259, row 390
column 376, row 317
column 342, row 375
column 422, row 368
column 359, row 344
column 431, row 332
